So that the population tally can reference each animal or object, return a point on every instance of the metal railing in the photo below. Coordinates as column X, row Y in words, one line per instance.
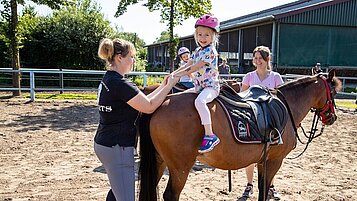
column 61, row 72
column 32, row 88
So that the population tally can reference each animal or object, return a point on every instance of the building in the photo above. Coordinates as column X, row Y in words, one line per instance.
column 299, row 34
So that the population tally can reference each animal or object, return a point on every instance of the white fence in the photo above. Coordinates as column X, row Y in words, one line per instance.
column 32, row 72
column 32, row 88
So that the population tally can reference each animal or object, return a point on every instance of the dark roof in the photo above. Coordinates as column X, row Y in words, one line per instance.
column 278, row 12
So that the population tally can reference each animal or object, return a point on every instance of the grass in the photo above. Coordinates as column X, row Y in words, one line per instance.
column 348, row 104
column 93, row 96
column 63, row 96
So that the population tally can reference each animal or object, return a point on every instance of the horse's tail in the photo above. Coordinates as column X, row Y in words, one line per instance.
column 148, row 165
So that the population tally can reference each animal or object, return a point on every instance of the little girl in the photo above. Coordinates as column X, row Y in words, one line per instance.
column 184, row 55
column 203, row 66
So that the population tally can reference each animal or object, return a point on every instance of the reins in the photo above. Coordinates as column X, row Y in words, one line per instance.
column 312, row 133
column 317, row 116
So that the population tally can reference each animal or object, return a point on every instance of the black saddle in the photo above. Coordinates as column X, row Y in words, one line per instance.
column 179, row 87
column 256, row 115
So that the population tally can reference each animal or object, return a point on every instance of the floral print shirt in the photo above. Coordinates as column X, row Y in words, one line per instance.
column 207, row 75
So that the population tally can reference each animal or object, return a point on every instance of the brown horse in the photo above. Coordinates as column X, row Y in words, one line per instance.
column 173, row 135
column 234, row 84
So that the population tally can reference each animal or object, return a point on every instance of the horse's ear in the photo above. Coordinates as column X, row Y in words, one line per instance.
column 331, row 74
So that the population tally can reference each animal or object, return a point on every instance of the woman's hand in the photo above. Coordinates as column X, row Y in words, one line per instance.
column 177, row 74
column 172, row 79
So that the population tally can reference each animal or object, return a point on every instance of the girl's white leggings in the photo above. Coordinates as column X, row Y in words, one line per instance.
column 207, row 95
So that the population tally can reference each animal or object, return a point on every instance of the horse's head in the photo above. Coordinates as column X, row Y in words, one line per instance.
column 234, row 84
column 326, row 105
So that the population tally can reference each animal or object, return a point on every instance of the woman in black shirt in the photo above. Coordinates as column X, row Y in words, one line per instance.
column 119, row 102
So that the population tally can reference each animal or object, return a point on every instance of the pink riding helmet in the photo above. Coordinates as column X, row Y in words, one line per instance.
column 209, row 21
column 183, row 50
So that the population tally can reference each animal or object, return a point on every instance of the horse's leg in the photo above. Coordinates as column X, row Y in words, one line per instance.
column 160, row 169
column 177, row 180
column 272, row 168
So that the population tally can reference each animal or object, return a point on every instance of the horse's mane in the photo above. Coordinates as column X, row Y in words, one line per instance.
column 300, row 82
column 304, row 81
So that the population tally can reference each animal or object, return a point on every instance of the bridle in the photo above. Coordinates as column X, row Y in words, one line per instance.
column 328, row 110
column 325, row 114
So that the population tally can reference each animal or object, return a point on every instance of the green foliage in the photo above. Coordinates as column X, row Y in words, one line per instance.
column 173, row 13
column 4, row 44
column 154, row 68
column 140, row 65
column 4, row 35
column 141, row 51
column 164, row 36
column 68, row 39
column 350, row 90
column 183, row 9
column 139, row 80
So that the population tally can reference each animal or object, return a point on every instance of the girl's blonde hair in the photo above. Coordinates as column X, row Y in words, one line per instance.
column 265, row 52
column 215, row 37
column 108, row 48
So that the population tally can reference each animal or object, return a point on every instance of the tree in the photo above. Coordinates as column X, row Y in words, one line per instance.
column 4, row 43
column 164, row 36
column 69, row 38
column 173, row 12
column 10, row 13
column 141, row 51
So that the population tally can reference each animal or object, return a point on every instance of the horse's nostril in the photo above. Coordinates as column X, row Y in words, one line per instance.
column 333, row 119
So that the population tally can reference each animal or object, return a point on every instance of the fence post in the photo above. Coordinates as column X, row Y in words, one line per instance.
column 32, row 86
column 61, row 80
column 145, row 80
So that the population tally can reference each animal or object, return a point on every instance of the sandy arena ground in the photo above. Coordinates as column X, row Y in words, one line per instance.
column 46, row 154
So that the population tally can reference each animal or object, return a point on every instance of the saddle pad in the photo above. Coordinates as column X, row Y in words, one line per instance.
column 242, row 122
column 253, row 122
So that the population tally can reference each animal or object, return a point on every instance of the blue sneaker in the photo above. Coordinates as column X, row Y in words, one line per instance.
column 208, row 143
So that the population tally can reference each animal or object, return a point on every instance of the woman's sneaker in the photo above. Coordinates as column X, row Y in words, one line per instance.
column 248, row 191
column 208, row 143
column 273, row 194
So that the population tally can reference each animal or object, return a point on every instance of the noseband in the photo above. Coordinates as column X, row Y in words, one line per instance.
column 328, row 110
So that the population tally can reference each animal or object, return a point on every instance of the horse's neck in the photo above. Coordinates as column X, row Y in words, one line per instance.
column 301, row 98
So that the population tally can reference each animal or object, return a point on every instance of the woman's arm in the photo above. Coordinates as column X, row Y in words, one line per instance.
column 189, row 69
column 278, row 80
column 157, row 90
column 244, row 87
column 148, row 104
column 190, row 62
column 245, row 82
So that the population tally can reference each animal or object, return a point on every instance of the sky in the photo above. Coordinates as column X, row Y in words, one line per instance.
column 147, row 24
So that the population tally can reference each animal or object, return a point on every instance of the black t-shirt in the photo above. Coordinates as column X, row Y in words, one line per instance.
column 117, row 118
